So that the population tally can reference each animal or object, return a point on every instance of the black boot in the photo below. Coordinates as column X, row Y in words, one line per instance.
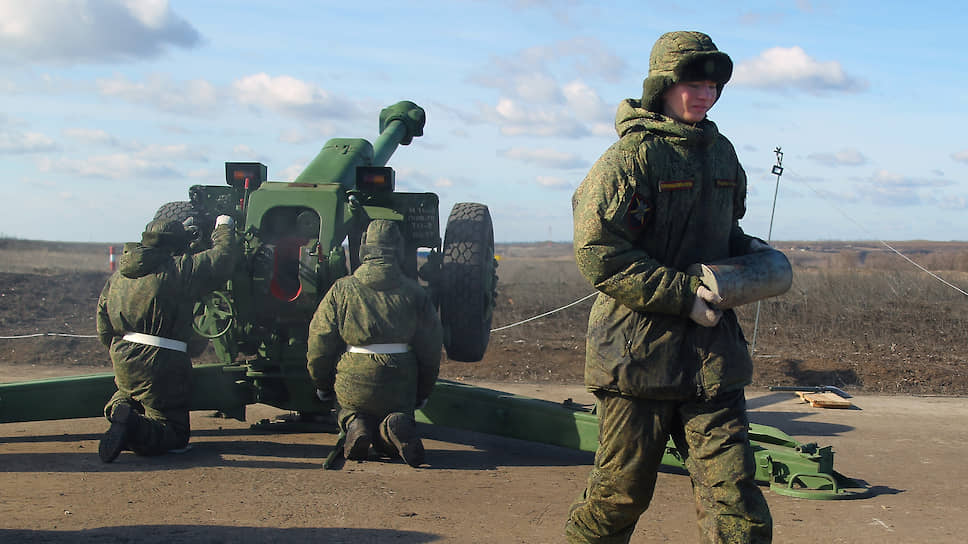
column 115, row 439
column 402, row 432
column 357, row 446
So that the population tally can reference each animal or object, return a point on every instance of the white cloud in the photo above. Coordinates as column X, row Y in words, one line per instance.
column 552, row 182
column 533, row 73
column 585, row 102
column 960, row 156
column 954, row 203
column 18, row 143
column 317, row 131
column 292, row 96
column 290, row 172
column 244, row 153
column 891, row 189
column 542, row 93
column 537, row 88
column 544, row 157
column 195, row 97
column 844, row 157
column 516, row 120
column 603, row 129
column 897, row 180
column 443, row 183
column 92, row 136
column 118, row 166
column 70, row 31
column 783, row 69
column 206, row 174
column 152, row 161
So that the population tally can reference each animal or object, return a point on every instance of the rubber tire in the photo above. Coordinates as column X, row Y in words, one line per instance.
column 179, row 211
column 468, row 281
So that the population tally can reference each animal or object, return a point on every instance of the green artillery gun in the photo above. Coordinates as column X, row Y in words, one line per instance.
column 292, row 240
column 292, row 237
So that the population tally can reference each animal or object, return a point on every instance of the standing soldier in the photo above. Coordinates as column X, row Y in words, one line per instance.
column 660, row 359
column 144, row 316
column 375, row 341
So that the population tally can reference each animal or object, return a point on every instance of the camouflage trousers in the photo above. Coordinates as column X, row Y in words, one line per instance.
column 712, row 437
column 159, row 389
column 374, row 387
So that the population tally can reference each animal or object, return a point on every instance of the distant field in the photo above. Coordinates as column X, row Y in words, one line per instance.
column 35, row 257
column 857, row 316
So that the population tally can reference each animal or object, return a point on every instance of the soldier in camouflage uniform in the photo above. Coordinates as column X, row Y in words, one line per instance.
column 376, row 340
column 144, row 316
column 660, row 359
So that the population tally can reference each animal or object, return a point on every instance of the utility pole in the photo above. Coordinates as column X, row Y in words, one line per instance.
column 777, row 171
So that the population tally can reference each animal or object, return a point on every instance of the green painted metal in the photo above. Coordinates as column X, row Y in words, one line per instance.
column 462, row 406
column 216, row 387
column 339, row 157
column 55, row 398
column 789, row 467
column 337, row 162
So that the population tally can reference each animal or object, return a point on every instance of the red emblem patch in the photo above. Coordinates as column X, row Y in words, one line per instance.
column 638, row 213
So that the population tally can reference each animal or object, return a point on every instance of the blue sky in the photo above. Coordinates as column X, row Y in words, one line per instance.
column 112, row 108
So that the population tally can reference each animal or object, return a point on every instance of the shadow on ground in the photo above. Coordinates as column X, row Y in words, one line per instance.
column 178, row 534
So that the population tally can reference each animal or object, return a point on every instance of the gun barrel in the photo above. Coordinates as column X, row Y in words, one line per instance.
column 387, row 142
column 339, row 157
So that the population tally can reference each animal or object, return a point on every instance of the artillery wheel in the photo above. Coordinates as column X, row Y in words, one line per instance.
column 182, row 211
column 468, row 281
column 213, row 315
column 179, row 211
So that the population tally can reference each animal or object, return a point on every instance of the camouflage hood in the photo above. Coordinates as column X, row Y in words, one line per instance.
column 632, row 117
column 683, row 56
column 138, row 260
column 381, row 253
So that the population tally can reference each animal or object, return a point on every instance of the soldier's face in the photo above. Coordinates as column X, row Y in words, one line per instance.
column 688, row 101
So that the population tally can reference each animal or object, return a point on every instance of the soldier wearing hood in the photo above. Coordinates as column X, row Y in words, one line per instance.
column 144, row 316
column 660, row 359
column 375, row 340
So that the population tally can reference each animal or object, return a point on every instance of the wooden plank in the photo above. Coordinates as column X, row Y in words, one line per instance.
column 825, row 399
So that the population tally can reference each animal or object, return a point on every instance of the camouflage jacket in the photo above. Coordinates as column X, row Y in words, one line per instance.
column 663, row 197
column 154, row 292
column 378, row 304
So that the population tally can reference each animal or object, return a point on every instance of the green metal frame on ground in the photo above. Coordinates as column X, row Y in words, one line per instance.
column 787, row 466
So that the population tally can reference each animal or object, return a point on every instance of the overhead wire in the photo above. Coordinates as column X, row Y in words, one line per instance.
column 569, row 305
column 885, row 244
column 16, row 337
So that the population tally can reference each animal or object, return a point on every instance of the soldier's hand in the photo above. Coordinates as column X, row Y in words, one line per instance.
column 702, row 313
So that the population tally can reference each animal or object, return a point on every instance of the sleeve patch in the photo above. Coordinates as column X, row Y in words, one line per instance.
column 638, row 213
column 665, row 186
column 725, row 183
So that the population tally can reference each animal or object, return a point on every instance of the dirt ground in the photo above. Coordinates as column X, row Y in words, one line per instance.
column 240, row 484
column 243, row 485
